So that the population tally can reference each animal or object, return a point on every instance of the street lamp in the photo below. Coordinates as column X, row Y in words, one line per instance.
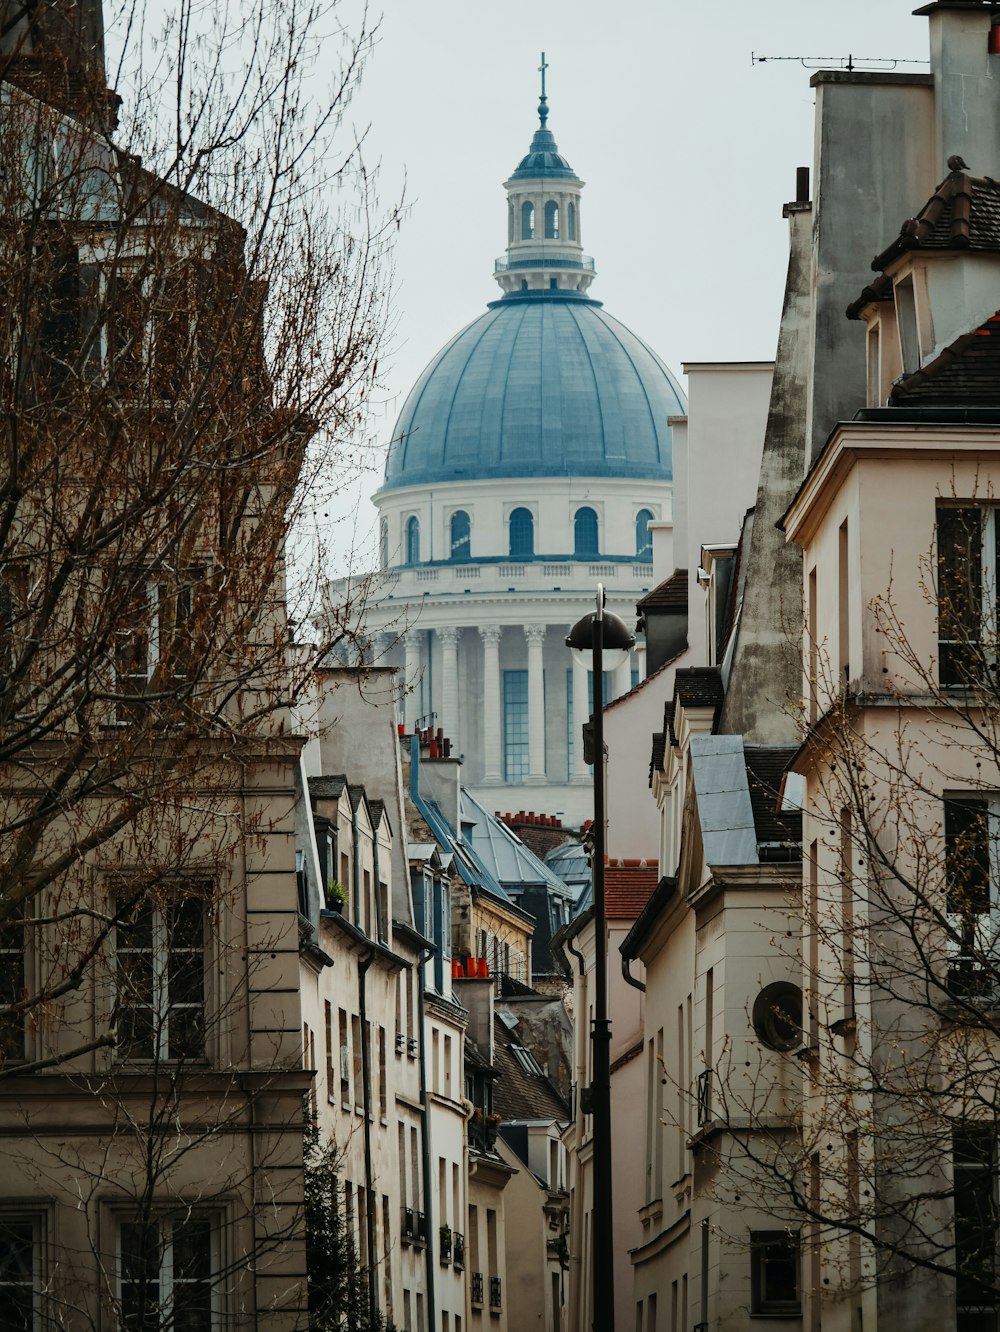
column 601, row 640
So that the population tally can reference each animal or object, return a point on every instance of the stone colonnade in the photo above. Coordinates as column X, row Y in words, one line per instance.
column 448, row 705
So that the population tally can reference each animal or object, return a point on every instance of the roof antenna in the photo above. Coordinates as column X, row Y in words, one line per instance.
column 543, row 108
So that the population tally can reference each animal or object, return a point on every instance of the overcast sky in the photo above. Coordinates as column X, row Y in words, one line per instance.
column 688, row 149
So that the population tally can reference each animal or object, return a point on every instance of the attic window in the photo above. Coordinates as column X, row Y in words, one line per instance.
column 906, row 320
column 527, row 1060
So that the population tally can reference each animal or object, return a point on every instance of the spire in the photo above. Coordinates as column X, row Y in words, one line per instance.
column 543, row 101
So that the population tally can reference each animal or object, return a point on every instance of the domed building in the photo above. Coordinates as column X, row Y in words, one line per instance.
column 525, row 468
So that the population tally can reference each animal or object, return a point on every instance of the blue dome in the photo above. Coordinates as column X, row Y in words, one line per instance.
column 545, row 383
column 544, row 159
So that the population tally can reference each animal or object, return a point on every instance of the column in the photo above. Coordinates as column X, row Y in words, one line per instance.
column 535, row 634
column 581, row 711
column 640, row 659
column 492, row 731
column 623, row 678
column 448, row 720
column 411, row 679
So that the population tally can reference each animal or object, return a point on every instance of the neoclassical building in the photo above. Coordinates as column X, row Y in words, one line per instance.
column 525, row 468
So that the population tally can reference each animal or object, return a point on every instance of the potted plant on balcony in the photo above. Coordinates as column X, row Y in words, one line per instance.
column 493, row 1122
column 335, row 896
column 444, row 1236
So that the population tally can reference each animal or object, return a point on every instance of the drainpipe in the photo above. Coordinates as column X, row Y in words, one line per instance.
column 425, row 955
column 580, row 960
column 629, row 978
column 363, row 964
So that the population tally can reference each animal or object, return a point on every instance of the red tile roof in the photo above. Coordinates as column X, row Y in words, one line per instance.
column 628, row 886
column 965, row 374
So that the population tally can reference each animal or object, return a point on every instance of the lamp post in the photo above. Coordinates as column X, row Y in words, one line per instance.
column 591, row 638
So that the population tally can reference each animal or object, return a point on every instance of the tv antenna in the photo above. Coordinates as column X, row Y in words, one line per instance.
column 848, row 62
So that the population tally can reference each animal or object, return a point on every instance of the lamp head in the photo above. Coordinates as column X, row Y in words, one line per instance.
column 615, row 641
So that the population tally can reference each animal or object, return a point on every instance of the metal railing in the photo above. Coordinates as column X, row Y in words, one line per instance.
column 458, row 1250
column 542, row 260
column 496, row 1289
column 704, row 1096
column 476, row 1286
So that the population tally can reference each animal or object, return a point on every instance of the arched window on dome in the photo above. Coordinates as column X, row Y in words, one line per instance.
column 571, row 221
column 585, row 540
column 413, row 540
column 461, row 536
column 383, row 543
column 527, row 220
column 522, row 534
column 643, row 536
column 552, row 220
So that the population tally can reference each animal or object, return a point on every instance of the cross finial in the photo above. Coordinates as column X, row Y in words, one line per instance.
column 543, row 109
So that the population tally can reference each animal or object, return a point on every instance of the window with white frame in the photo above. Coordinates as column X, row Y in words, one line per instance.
column 972, row 869
column 967, row 537
column 515, row 726
column 160, row 975
column 156, row 633
column 20, row 1273
column 166, row 1271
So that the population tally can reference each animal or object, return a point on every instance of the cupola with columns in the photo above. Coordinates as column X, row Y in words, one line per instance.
column 544, row 247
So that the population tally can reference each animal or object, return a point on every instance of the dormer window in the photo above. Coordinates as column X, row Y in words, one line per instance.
column 906, row 319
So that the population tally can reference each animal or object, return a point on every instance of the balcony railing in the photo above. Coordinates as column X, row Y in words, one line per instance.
column 704, row 1096
column 445, row 1240
column 409, row 1225
column 458, row 1251
column 421, row 1228
column 542, row 260
column 496, row 1290
column 476, row 1286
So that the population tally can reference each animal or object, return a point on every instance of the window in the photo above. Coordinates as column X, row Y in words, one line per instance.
column 383, row 543
column 160, row 953
column 585, row 541
column 20, row 1282
column 976, row 1217
column 345, row 1061
column 971, row 873
column 967, row 592
column 58, row 287
column 413, row 540
column 149, row 338
column 166, row 1275
column 522, row 534
column 906, row 320
column 777, row 1016
column 774, row 1272
column 156, row 634
column 461, row 536
column 515, row 726
column 527, row 220
column 571, row 221
column 12, row 982
column 551, row 220
column 643, row 536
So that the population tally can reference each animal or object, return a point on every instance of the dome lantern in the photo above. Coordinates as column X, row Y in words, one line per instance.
column 544, row 247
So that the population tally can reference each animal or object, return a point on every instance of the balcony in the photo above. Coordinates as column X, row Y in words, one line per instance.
column 704, row 1096
column 496, row 1290
column 409, row 1230
column 445, row 1240
column 400, row 1043
column 476, row 1286
column 458, row 1251
column 542, row 260
column 545, row 573
column 421, row 1228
